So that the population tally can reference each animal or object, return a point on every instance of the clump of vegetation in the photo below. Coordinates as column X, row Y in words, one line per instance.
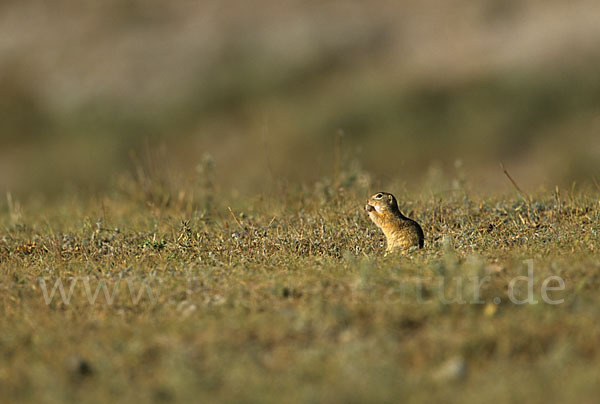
column 288, row 297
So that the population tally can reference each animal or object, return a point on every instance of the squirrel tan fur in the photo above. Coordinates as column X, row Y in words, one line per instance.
column 401, row 233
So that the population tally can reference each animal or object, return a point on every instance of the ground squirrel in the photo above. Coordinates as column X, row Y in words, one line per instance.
column 401, row 233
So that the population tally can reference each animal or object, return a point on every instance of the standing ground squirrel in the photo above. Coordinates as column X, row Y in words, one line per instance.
column 401, row 233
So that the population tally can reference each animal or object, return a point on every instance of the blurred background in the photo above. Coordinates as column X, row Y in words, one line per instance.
column 271, row 91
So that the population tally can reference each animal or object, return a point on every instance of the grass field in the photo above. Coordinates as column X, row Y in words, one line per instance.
column 287, row 297
column 182, row 187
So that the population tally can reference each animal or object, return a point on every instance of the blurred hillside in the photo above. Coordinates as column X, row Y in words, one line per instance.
column 91, row 89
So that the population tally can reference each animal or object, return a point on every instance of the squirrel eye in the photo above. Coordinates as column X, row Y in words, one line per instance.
column 378, row 196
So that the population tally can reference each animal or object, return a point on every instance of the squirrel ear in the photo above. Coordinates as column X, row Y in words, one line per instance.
column 390, row 197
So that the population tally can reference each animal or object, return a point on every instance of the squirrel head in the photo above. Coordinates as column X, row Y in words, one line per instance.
column 380, row 204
